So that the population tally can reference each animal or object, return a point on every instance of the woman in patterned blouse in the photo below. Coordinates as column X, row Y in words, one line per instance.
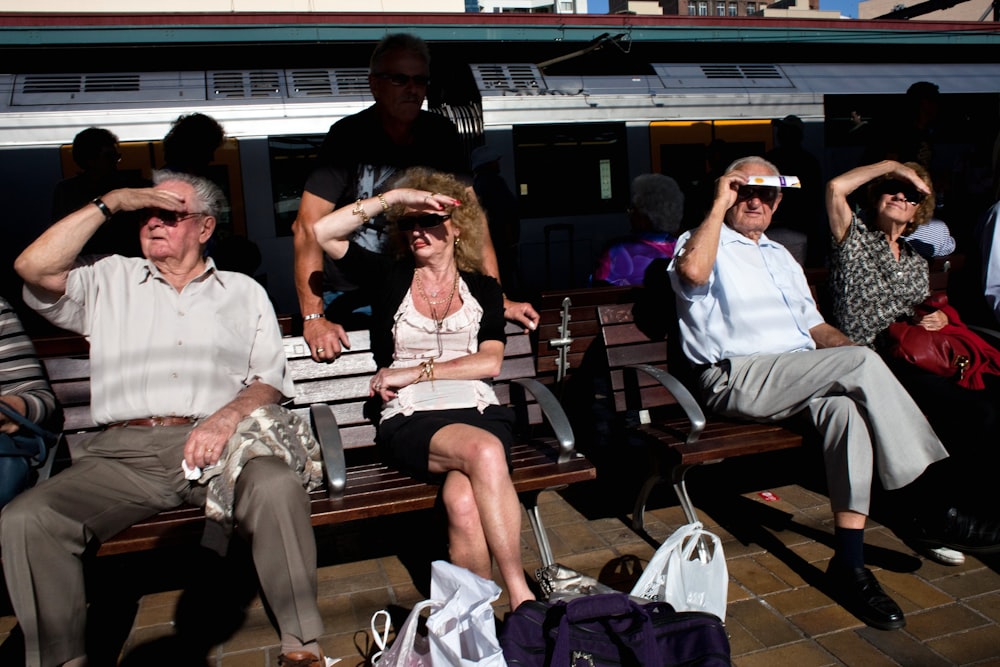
column 877, row 278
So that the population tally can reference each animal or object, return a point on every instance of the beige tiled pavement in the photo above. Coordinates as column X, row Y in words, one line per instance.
column 779, row 611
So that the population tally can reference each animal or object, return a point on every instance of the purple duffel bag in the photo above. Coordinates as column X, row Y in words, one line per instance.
column 612, row 629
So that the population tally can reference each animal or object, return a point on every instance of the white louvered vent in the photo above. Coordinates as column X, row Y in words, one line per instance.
column 107, row 88
column 245, row 85
column 500, row 79
column 344, row 82
column 720, row 75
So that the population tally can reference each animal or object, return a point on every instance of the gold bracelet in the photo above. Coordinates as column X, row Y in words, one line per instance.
column 381, row 200
column 360, row 210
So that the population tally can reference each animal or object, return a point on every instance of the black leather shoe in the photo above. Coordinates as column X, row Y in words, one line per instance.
column 860, row 593
column 956, row 530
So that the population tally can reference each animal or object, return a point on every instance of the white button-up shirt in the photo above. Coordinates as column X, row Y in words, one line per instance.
column 756, row 301
column 157, row 351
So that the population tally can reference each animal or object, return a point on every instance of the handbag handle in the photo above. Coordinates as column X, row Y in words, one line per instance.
column 22, row 421
column 593, row 607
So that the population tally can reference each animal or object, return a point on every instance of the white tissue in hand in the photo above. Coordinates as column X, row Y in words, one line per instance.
column 190, row 473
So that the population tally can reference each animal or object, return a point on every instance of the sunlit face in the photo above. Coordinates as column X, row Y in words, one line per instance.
column 427, row 242
column 180, row 235
column 751, row 214
column 399, row 85
column 897, row 202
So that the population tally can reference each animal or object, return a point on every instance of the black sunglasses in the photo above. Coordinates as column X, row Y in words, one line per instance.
column 895, row 187
column 766, row 194
column 409, row 223
column 169, row 218
column 398, row 79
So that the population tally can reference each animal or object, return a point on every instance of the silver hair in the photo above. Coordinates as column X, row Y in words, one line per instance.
column 400, row 41
column 753, row 159
column 210, row 198
column 660, row 200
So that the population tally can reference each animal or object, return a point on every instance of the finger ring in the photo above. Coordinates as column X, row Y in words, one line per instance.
column 320, row 349
column 210, row 450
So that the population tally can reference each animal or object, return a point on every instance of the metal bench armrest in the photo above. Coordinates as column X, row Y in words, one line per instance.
column 328, row 433
column 684, row 398
column 554, row 415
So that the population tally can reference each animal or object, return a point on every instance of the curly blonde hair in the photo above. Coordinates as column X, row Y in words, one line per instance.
column 468, row 219
column 924, row 211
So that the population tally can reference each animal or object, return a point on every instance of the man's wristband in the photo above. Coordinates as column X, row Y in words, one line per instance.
column 311, row 316
column 96, row 201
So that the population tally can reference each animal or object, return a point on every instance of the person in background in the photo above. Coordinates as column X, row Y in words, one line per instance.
column 931, row 239
column 358, row 157
column 191, row 142
column 96, row 153
column 438, row 340
column 798, row 224
column 500, row 206
column 187, row 370
column 655, row 215
column 762, row 351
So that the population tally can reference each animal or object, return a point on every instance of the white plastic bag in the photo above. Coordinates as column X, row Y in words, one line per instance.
column 688, row 571
column 462, row 631
column 408, row 649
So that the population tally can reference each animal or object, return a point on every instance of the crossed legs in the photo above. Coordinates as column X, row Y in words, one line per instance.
column 484, row 515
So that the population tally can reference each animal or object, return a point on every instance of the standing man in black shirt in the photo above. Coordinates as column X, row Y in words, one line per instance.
column 357, row 160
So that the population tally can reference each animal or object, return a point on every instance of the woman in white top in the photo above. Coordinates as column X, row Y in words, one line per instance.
column 438, row 339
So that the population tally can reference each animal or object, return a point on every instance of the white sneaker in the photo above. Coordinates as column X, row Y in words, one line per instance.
column 945, row 556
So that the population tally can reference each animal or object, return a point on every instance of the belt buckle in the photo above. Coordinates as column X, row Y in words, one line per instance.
column 157, row 421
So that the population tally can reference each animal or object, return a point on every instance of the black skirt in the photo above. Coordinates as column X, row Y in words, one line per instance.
column 406, row 439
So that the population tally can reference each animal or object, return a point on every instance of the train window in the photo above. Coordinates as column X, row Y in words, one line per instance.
column 577, row 169
column 291, row 158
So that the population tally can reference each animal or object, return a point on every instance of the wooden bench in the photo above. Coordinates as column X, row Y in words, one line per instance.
column 669, row 415
column 359, row 485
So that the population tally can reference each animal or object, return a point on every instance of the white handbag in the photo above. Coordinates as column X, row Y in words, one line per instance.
column 688, row 571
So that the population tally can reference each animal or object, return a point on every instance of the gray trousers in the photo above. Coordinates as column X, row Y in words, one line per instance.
column 119, row 481
column 865, row 417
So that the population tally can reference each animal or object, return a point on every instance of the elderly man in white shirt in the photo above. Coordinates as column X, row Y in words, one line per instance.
column 762, row 351
column 187, row 366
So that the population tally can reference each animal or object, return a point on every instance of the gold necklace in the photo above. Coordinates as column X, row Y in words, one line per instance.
column 451, row 295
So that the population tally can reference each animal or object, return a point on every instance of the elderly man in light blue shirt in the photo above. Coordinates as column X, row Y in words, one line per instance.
column 750, row 327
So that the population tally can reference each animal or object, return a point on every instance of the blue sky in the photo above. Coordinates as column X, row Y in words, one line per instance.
column 846, row 7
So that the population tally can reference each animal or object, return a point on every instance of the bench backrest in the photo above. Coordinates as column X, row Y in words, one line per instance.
column 343, row 384
column 568, row 327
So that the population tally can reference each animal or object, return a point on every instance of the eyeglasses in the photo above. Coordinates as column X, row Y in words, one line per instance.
column 893, row 187
column 409, row 223
column 398, row 79
column 169, row 218
column 766, row 194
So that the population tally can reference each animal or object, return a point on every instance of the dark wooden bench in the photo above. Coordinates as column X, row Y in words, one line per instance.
column 665, row 412
column 359, row 485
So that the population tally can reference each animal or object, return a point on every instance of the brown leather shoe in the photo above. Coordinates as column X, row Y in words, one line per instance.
column 300, row 659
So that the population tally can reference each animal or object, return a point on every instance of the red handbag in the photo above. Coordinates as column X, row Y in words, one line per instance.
column 954, row 351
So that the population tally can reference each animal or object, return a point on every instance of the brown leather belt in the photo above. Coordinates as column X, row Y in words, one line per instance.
column 153, row 421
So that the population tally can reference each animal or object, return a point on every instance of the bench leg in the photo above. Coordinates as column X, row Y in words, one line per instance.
column 530, row 502
column 677, row 473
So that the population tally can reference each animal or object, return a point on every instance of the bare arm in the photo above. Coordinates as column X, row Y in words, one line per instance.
column 697, row 258
column 326, row 339
column 826, row 335
column 484, row 363
column 207, row 440
column 838, row 209
column 45, row 264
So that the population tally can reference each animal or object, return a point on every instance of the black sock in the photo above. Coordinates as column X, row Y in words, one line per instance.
column 850, row 547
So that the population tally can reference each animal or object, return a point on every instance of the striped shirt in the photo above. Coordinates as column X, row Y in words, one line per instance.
column 20, row 371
